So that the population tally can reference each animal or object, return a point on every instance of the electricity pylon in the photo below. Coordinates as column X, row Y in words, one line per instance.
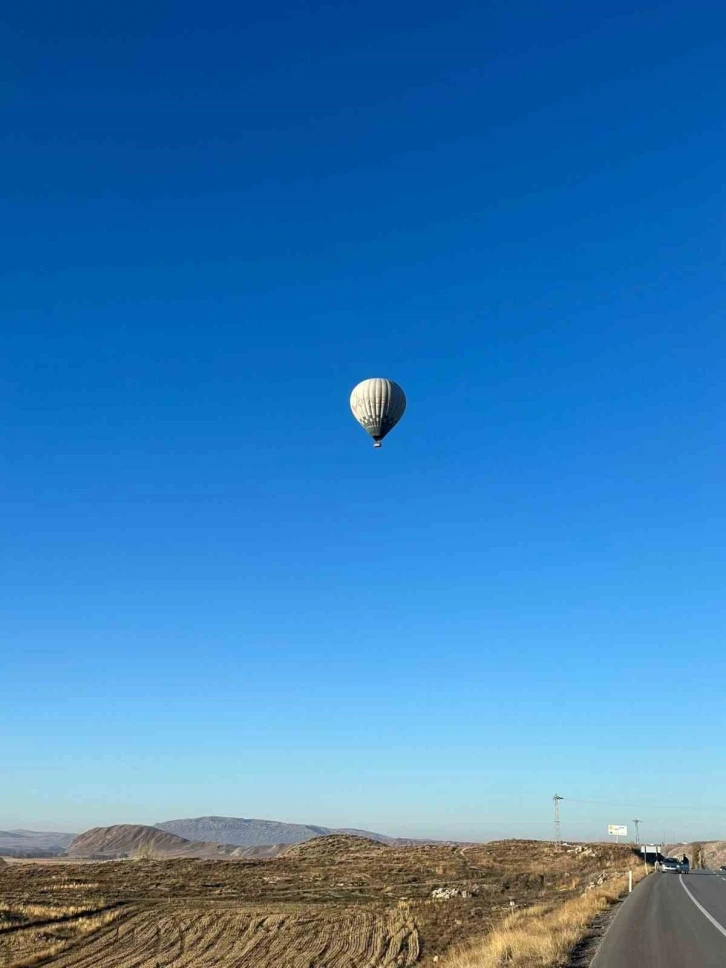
column 556, row 804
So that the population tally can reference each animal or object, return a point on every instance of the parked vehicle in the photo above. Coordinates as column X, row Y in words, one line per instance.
column 671, row 864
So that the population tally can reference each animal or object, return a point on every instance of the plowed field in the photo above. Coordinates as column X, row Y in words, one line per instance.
column 165, row 936
column 334, row 902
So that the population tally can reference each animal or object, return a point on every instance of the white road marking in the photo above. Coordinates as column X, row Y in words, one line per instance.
column 702, row 909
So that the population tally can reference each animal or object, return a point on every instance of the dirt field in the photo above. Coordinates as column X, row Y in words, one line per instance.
column 335, row 902
column 190, row 936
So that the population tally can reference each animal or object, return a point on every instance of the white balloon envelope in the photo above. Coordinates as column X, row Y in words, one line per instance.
column 378, row 405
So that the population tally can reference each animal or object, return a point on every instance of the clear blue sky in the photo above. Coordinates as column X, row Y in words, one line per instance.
column 215, row 596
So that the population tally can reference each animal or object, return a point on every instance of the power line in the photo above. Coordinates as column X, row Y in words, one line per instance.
column 651, row 806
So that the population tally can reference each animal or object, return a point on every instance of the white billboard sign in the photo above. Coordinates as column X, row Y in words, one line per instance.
column 617, row 830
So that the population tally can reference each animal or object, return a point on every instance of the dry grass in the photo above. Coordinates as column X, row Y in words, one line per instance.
column 45, row 912
column 541, row 936
column 147, row 852
column 70, row 885
column 31, row 934
column 338, row 902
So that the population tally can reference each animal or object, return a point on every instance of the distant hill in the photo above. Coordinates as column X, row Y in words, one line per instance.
column 256, row 833
column 710, row 854
column 339, row 846
column 33, row 843
column 262, row 852
column 127, row 840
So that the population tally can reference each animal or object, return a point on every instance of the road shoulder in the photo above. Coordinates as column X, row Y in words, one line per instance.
column 584, row 952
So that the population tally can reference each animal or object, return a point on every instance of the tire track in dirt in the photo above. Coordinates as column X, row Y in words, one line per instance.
column 166, row 936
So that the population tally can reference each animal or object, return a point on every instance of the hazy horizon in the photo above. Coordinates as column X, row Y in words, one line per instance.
column 572, row 829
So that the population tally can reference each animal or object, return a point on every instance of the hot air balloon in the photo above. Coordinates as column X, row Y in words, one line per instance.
column 378, row 405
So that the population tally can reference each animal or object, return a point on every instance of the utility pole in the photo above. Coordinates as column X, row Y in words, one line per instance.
column 556, row 804
column 637, row 830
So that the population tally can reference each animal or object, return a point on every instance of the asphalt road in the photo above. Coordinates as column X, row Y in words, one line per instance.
column 669, row 921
